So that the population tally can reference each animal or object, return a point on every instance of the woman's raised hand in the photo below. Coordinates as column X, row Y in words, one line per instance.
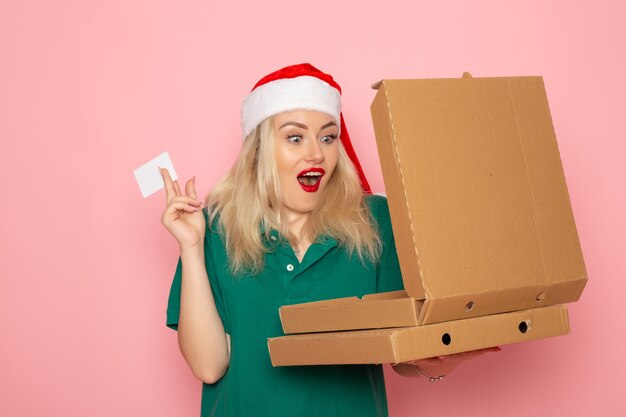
column 183, row 216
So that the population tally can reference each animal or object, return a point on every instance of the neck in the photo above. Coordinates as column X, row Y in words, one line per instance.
column 299, row 240
column 296, row 223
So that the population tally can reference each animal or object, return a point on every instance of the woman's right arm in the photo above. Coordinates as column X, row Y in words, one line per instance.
column 201, row 336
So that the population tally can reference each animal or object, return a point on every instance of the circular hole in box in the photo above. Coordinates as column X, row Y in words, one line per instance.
column 469, row 306
column 524, row 326
column 446, row 339
column 539, row 298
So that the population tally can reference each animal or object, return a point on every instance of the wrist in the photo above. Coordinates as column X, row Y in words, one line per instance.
column 192, row 250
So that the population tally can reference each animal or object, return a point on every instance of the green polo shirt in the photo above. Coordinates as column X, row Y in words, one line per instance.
column 248, row 306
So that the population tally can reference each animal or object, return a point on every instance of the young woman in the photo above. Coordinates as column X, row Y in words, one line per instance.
column 292, row 222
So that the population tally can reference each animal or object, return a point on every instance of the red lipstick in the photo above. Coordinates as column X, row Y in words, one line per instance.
column 310, row 179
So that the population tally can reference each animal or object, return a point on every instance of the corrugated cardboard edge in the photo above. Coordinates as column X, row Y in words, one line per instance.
column 386, row 142
column 566, row 197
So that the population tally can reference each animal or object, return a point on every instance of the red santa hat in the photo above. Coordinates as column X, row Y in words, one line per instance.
column 298, row 87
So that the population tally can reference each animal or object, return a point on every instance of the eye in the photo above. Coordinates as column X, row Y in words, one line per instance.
column 294, row 138
column 328, row 138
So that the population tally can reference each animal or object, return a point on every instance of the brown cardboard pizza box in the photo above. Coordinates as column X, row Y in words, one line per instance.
column 403, row 344
column 480, row 212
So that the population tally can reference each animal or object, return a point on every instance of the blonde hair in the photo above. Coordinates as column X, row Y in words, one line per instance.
column 247, row 204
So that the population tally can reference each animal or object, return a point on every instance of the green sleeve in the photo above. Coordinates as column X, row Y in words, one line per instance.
column 173, row 305
column 389, row 277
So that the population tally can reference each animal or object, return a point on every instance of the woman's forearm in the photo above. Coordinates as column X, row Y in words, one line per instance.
column 201, row 337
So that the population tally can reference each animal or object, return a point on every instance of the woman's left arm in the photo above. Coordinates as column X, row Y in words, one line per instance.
column 438, row 366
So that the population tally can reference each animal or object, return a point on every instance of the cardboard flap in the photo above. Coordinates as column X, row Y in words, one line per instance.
column 477, row 194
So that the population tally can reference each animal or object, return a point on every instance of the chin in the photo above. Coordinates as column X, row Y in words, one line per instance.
column 304, row 205
column 304, row 208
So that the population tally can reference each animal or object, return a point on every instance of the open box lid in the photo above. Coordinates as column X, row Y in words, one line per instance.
column 479, row 204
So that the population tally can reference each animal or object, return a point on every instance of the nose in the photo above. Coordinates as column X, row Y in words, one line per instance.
column 314, row 153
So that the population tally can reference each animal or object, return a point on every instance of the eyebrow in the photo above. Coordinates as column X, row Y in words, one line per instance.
column 305, row 127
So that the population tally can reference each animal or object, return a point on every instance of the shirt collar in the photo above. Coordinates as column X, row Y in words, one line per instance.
column 273, row 238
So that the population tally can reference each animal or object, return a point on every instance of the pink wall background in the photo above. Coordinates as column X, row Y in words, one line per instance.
column 89, row 90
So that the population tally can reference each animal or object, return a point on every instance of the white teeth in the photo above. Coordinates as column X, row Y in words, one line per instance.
column 312, row 174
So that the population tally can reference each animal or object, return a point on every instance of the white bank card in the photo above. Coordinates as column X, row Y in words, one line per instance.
column 148, row 176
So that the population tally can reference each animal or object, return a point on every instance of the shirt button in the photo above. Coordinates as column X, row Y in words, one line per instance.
column 289, row 267
column 273, row 238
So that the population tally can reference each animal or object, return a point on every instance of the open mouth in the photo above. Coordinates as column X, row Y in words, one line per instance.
column 310, row 179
